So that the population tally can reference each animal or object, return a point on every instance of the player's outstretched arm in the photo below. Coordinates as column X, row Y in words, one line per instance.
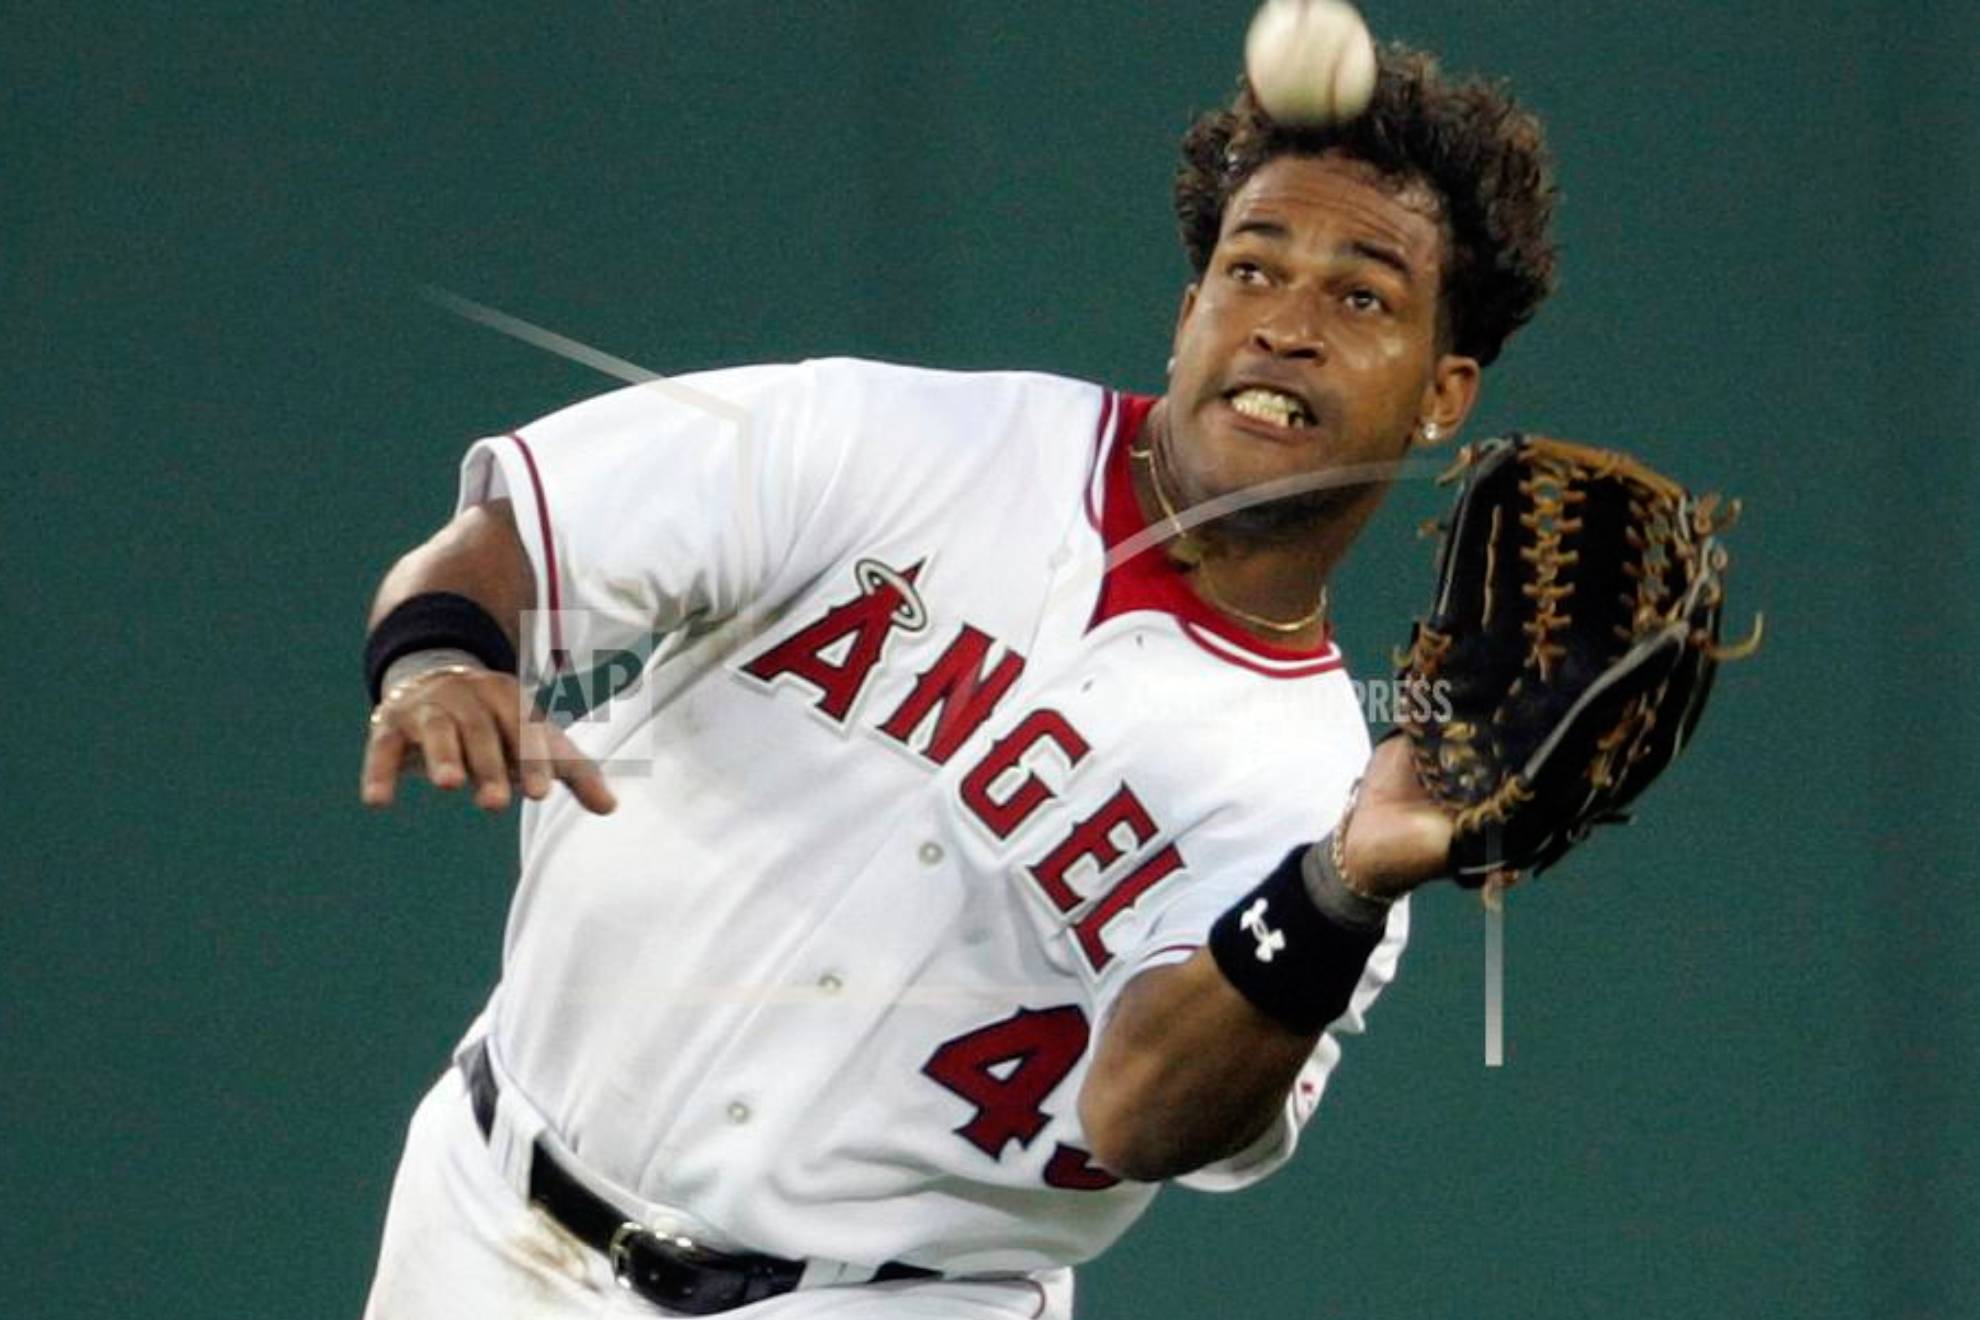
column 1197, row 1058
column 1186, row 1073
column 443, row 709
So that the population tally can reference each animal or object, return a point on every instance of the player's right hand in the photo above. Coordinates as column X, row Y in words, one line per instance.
column 472, row 727
column 1397, row 835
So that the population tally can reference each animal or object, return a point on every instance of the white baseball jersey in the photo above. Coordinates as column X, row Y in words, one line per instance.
column 915, row 784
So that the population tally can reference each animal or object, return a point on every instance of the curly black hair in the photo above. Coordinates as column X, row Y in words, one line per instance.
column 1483, row 156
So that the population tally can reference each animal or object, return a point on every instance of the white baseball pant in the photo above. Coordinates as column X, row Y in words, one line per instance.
column 460, row 1242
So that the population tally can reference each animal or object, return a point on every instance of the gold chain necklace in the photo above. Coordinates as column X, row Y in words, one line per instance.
column 1190, row 551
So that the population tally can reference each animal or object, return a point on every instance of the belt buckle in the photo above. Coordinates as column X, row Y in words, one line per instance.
column 619, row 1250
column 680, row 1274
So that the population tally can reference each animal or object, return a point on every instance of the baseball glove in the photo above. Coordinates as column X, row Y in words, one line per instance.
column 1575, row 635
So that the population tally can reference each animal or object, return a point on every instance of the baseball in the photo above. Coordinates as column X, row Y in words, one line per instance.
column 1310, row 62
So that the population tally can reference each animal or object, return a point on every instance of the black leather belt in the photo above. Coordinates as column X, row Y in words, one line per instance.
column 674, row 1272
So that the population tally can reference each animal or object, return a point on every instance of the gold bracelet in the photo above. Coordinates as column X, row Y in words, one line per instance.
column 399, row 689
column 1337, row 849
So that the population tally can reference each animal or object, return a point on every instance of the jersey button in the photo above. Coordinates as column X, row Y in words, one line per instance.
column 830, row 983
column 738, row 1112
column 931, row 853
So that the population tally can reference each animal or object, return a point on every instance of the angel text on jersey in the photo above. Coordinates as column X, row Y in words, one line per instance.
column 836, row 656
column 1006, row 1071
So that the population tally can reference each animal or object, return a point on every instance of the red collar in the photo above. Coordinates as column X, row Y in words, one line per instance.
column 1151, row 581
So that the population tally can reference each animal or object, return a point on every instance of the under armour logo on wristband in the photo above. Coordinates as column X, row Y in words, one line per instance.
column 1269, row 941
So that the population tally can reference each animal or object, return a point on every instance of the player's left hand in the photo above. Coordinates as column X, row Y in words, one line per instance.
column 463, row 727
column 1397, row 836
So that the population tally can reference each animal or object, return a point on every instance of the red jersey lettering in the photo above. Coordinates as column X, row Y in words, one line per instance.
column 1118, row 900
column 957, row 692
column 886, row 601
column 1074, row 1170
column 1007, row 1069
column 1003, row 813
column 1095, row 838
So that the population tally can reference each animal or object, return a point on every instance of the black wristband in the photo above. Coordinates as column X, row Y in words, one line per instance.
column 435, row 619
column 1283, row 954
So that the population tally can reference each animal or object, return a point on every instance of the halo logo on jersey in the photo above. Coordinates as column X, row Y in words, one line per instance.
column 860, row 627
column 948, row 702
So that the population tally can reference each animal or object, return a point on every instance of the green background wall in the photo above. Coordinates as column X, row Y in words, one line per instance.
column 1743, row 1040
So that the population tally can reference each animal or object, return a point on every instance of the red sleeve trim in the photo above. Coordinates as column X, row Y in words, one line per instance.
column 558, row 660
column 1168, row 949
column 1096, row 460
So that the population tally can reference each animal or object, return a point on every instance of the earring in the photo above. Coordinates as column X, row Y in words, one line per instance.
column 1432, row 433
column 1170, row 370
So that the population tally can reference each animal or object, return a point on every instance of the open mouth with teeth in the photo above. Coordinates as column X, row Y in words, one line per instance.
column 1269, row 405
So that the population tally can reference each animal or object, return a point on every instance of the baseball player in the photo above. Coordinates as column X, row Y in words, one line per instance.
column 962, row 863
